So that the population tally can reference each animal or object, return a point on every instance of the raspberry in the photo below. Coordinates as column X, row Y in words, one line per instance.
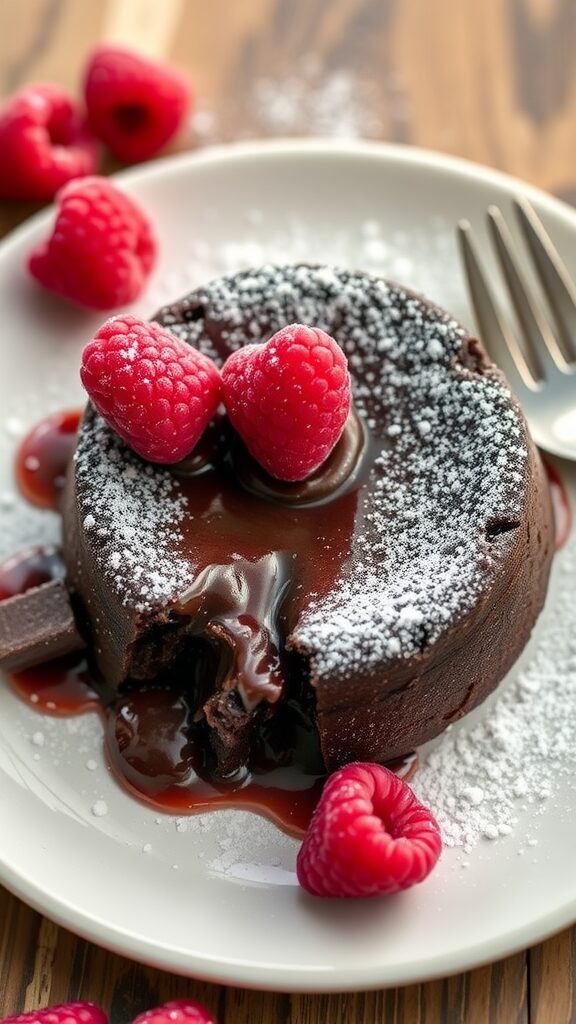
column 101, row 250
column 154, row 390
column 43, row 143
column 135, row 105
column 178, row 1011
column 289, row 399
column 64, row 1013
column 368, row 835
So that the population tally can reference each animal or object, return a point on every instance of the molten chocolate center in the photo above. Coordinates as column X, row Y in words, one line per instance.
column 258, row 543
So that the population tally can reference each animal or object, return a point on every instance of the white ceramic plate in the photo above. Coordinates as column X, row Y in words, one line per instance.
column 217, row 896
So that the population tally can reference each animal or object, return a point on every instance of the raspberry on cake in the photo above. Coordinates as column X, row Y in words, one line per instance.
column 102, row 248
column 44, row 143
column 385, row 596
column 289, row 399
column 156, row 392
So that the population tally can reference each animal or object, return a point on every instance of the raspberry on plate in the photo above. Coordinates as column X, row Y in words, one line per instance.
column 178, row 1011
column 289, row 399
column 64, row 1013
column 155, row 391
column 135, row 105
column 368, row 835
column 101, row 250
column 44, row 143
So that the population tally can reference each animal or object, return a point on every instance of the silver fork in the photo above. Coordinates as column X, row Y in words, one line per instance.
column 539, row 362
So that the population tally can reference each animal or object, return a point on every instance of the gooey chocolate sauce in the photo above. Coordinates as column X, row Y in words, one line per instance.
column 248, row 588
column 155, row 742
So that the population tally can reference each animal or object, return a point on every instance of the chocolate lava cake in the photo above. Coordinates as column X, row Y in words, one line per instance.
column 389, row 593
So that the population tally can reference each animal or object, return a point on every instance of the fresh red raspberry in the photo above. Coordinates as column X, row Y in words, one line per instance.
column 101, row 250
column 64, row 1013
column 289, row 399
column 135, row 105
column 368, row 835
column 178, row 1011
column 154, row 390
column 43, row 143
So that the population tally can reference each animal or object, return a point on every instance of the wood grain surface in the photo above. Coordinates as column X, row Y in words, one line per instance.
column 494, row 81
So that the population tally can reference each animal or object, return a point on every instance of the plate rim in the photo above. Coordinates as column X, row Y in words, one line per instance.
column 285, row 978
column 387, row 152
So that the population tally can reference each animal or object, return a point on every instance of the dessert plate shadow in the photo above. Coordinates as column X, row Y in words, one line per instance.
column 216, row 896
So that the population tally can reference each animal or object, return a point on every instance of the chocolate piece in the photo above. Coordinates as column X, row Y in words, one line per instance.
column 231, row 729
column 398, row 600
column 37, row 626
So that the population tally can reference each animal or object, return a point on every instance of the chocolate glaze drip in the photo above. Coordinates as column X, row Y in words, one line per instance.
column 337, row 473
column 236, row 607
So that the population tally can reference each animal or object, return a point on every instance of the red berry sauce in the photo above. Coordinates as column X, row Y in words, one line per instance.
column 43, row 456
column 60, row 687
column 560, row 505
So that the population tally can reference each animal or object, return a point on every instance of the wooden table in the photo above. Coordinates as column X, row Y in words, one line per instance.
column 491, row 80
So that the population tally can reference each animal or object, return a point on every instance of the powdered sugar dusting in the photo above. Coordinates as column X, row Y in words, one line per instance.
column 22, row 525
column 371, row 245
column 312, row 99
column 133, row 510
column 452, row 459
column 481, row 778
column 317, row 101
column 454, row 465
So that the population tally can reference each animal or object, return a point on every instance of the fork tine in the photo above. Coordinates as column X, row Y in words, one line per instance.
column 496, row 336
column 556, row 281
column 538, row 338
